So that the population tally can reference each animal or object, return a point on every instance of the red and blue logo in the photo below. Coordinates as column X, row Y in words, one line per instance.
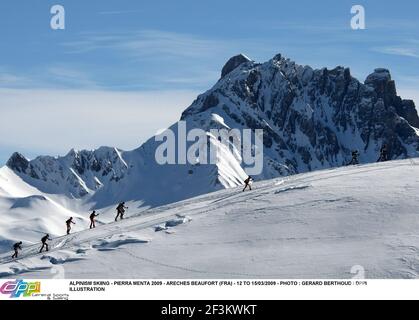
column 20, row 288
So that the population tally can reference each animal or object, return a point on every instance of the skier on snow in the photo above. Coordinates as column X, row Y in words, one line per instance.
column 16, row 247
column 354, row 160
column 92, row 219
column 44, row 242
column 120, row 209
column 383, row 154
column 68, row 223
column 248, row 183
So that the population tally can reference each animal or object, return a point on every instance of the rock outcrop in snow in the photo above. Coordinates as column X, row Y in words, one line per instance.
column 233, row 63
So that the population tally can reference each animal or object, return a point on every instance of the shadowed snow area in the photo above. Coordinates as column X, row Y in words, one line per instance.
column 314, row 225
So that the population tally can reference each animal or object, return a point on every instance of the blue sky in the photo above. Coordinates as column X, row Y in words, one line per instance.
column 140, row 63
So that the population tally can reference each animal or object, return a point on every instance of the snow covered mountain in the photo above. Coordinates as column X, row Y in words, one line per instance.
column 335, row 224
column 312, row 119
column 75, row 175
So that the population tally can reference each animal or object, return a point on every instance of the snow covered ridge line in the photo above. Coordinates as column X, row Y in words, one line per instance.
column 312, row 119
column 202, row 151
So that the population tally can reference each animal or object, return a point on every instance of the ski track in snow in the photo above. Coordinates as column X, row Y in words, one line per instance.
column 278, row 199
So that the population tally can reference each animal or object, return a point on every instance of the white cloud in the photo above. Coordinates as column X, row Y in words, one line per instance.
column 149, row 43
column 9, row 79
column 54, row 121
column 53, row 76
column 399, row 51
column 119, row 12
column 70, row 76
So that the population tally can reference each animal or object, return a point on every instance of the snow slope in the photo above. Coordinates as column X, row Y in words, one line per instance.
column 27, row 213
column 315, row 225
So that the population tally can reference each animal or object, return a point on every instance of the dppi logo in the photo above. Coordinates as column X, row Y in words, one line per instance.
column 20, row 288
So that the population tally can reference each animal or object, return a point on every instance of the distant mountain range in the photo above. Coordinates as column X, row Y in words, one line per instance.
column 312, row 119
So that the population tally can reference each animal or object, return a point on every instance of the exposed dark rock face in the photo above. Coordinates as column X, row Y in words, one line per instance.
column 18, row 162
column 233, row 63
column 312, row 118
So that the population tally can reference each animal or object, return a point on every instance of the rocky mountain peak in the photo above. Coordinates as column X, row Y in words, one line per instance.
column 385, row 89
column 18, row 162
column 378, row 76
column 233, row 63
column 312, row 118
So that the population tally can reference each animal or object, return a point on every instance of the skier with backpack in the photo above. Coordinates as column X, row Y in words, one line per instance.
column 93, row 215
column 16, row 247
column 44, row 242
column 120, row 210
column 383, row 154
column 248, row 183
column 68, row 223
column 354, row 160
